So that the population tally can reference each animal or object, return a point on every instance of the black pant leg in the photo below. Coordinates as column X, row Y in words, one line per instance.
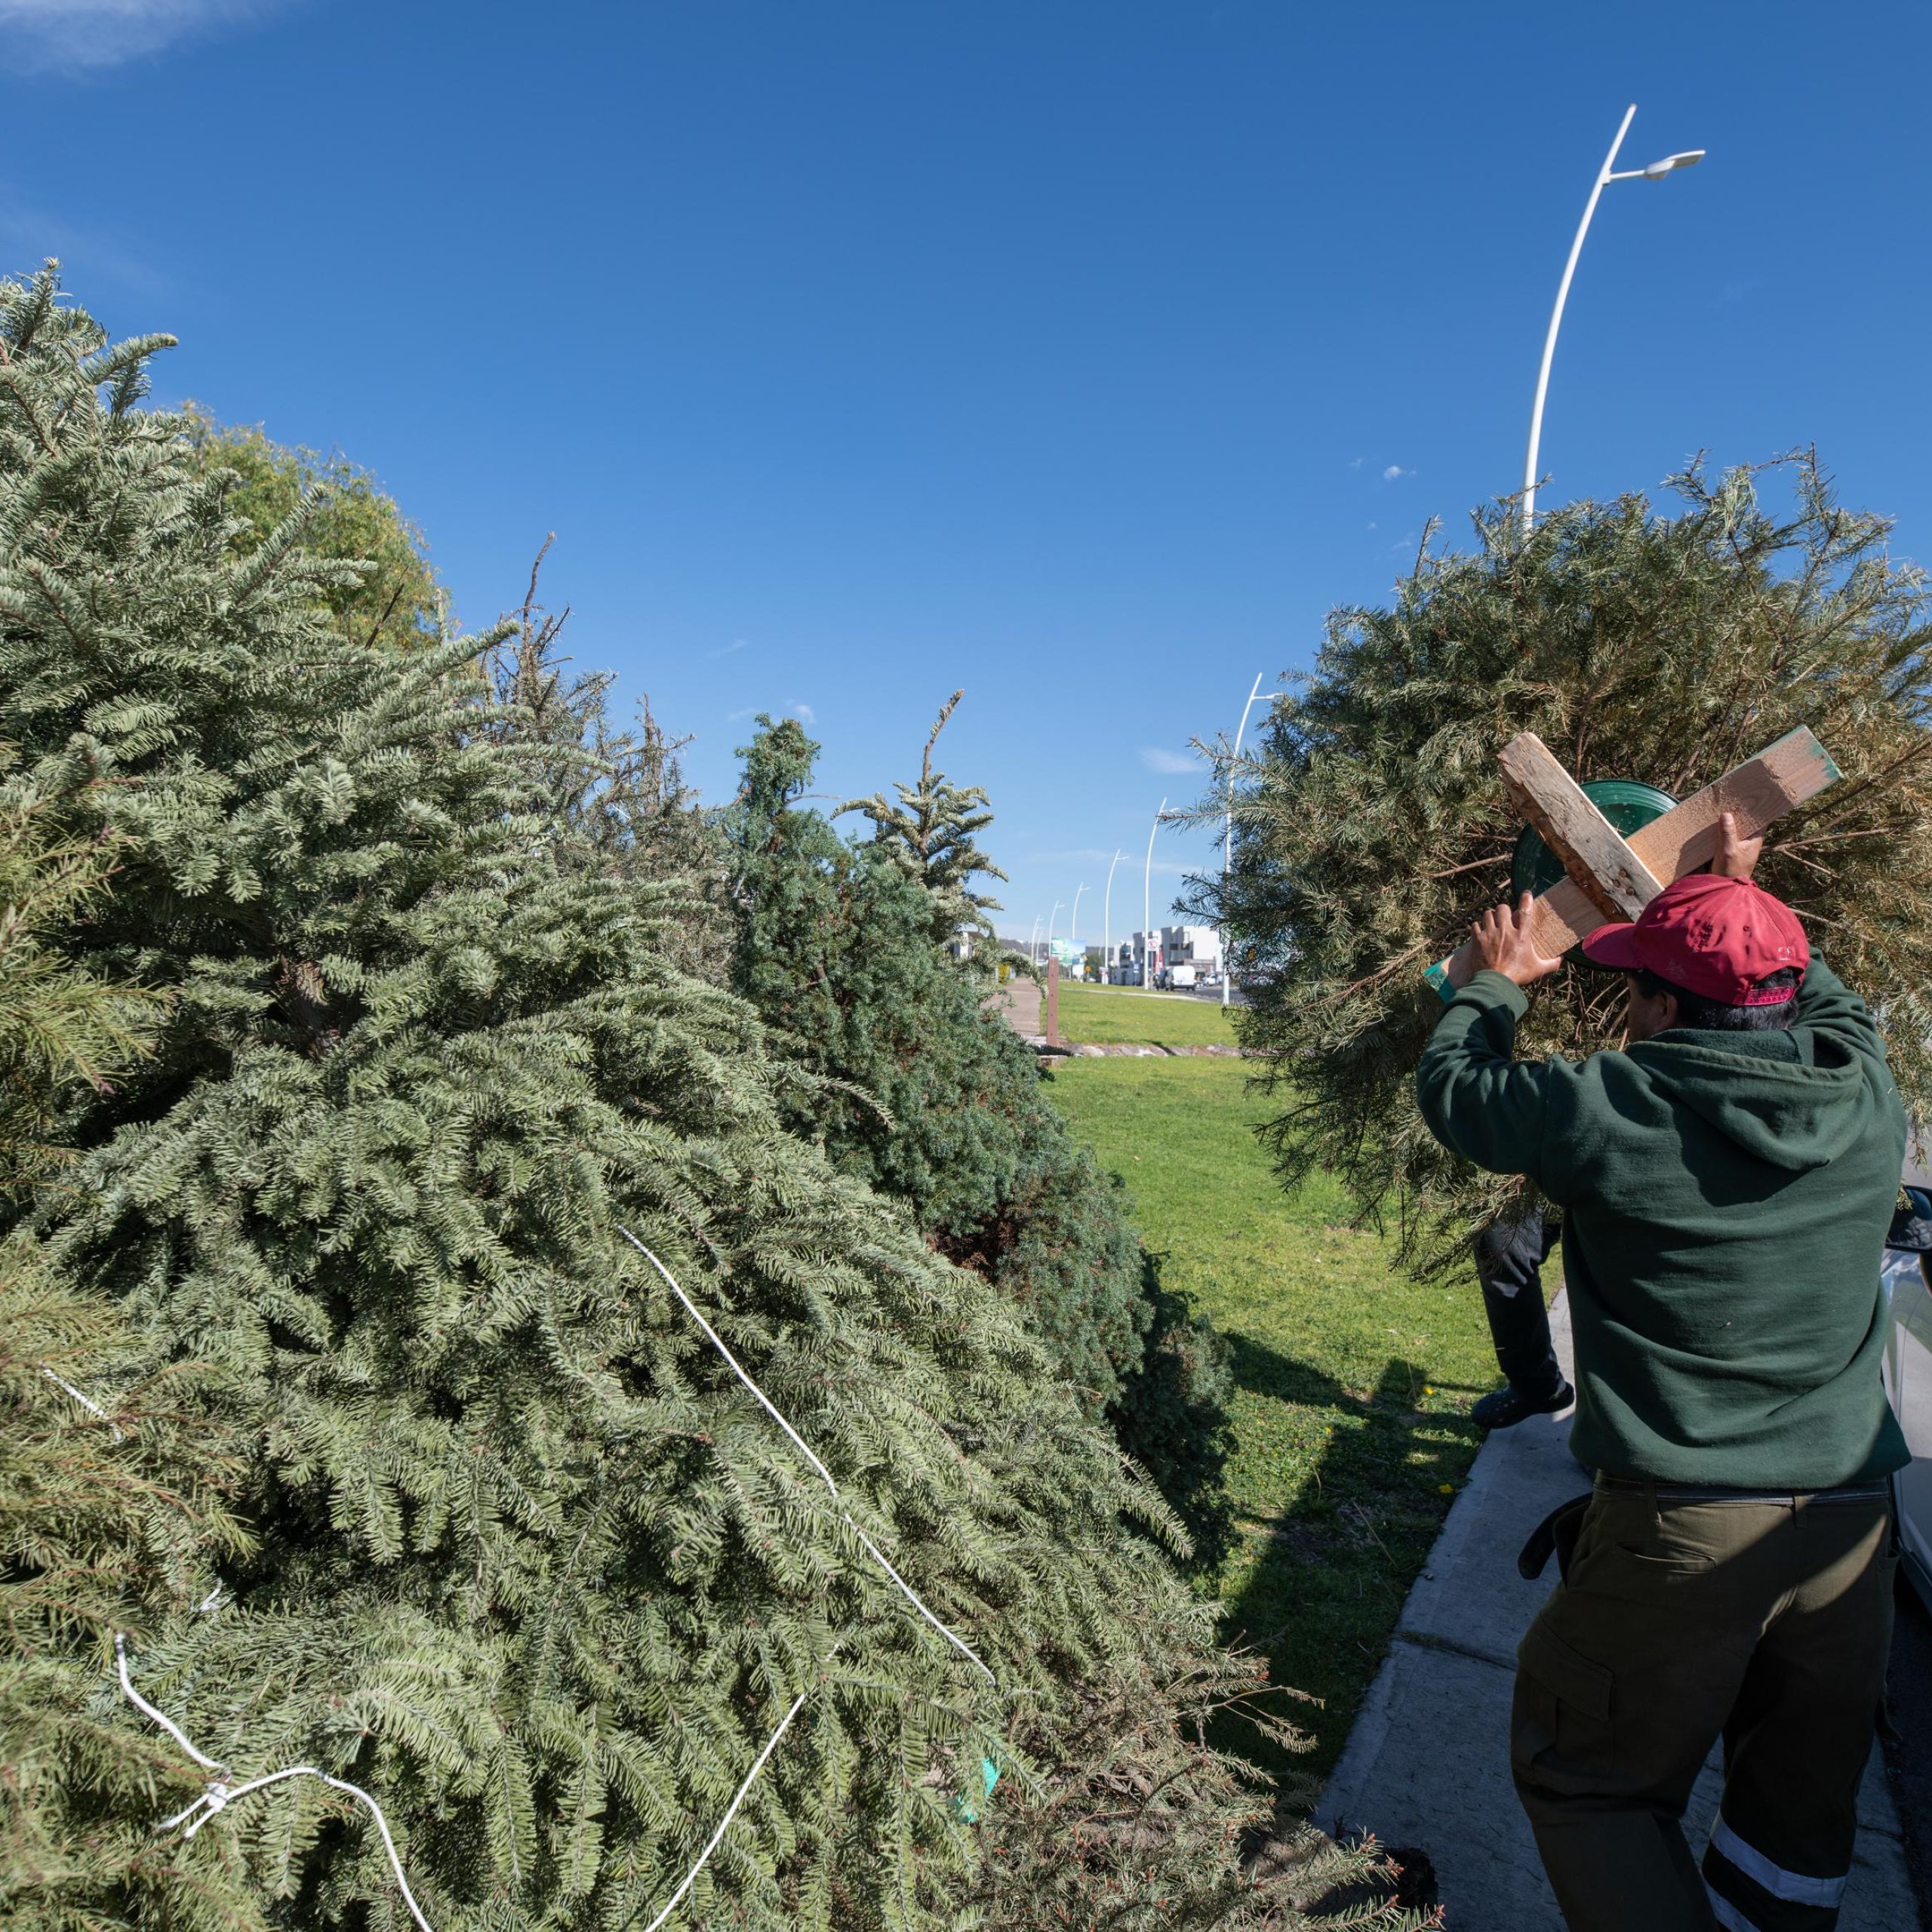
column 1509, row 1262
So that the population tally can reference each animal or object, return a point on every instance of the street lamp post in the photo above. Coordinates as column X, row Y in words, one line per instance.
column 1107, row 926
column 1147, row 908
column 1227, row 837
column 1655, row 171
column 1073, row 919
column 1032, row 942
column 1057, row 904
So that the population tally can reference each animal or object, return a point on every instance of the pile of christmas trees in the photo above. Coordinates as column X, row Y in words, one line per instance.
column 845, row 949
column 370, row 1020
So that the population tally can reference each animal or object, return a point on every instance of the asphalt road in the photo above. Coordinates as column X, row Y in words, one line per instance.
column 1909, row 1761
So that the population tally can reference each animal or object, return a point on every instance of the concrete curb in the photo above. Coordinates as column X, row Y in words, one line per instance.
column 1128, row 1050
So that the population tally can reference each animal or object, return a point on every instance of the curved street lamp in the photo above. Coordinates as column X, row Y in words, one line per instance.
column 1654, row 171
column 1227, row 837
column 1107, row 927
column 1147, row 908
column 1073, row 919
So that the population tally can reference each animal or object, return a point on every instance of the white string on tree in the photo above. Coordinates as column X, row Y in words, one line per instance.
column 730, row 1812
column 905, row 1590
column 878, row 1556
column 86, row 1402
column 220, row 1793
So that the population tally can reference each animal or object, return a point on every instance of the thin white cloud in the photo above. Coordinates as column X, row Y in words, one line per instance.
column 1355, row 462
column 80, row 36
column 1395, row 470
column 804, row 713
column 723, row 650
column 1156, row 759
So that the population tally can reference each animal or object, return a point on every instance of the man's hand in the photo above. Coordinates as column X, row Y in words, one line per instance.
column 1737, row 858
column 1502, row 943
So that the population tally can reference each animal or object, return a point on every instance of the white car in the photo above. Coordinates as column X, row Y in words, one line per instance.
column 1908, row 1372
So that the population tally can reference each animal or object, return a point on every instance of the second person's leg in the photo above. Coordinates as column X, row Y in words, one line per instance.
column 1509, row 1260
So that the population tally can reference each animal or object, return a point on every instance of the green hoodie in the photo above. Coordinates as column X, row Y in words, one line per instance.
column 1725, row 1198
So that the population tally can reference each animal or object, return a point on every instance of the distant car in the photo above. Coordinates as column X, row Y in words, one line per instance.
column 1908, row 1375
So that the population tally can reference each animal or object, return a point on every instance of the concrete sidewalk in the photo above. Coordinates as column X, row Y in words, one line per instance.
column 1428, row 1762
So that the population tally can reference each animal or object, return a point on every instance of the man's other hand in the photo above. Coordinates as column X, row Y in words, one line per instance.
column 1737, row 857
column 1503, row 944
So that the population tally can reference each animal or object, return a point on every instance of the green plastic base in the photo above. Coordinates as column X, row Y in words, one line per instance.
column 1627, row 803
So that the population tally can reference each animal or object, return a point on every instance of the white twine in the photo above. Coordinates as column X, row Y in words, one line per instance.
column 737, row 1367
column 147, row 1710
column 220, row 1794
column 86, row 1402
column 912, row 1598
column 905, row 1590
column 731, row 1811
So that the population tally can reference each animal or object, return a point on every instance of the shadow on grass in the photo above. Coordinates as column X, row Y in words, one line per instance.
column 1172, row 1415
column 1321, row 1582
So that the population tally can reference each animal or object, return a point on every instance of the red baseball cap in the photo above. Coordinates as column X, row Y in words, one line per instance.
column 1716, row 937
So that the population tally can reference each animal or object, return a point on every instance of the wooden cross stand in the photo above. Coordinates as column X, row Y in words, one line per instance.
column 1611, row 877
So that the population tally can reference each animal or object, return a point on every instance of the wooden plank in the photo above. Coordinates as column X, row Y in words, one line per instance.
column 1607, row 871
column 1760, row 791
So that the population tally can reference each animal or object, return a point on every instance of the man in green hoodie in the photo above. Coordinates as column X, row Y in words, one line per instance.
column 1725, row 1181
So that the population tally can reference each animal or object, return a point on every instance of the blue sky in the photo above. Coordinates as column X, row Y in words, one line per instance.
column 1083, row 355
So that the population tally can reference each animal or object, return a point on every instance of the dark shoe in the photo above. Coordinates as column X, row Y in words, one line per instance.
column 1508, row 1407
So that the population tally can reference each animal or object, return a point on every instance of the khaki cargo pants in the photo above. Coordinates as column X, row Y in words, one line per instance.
column 1764, row 1621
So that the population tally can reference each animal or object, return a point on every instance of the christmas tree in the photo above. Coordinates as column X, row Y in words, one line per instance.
column 846, row 949
column 930, row 832
column 1372, row 827
column 531, row 1560
column 113, row 1485
column 393, row 598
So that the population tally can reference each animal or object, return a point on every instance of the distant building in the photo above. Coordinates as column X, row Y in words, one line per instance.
column 1198, row 947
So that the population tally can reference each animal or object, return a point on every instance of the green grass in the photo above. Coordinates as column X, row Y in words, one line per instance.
column 1353, row 1384
column 1104, row 1016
